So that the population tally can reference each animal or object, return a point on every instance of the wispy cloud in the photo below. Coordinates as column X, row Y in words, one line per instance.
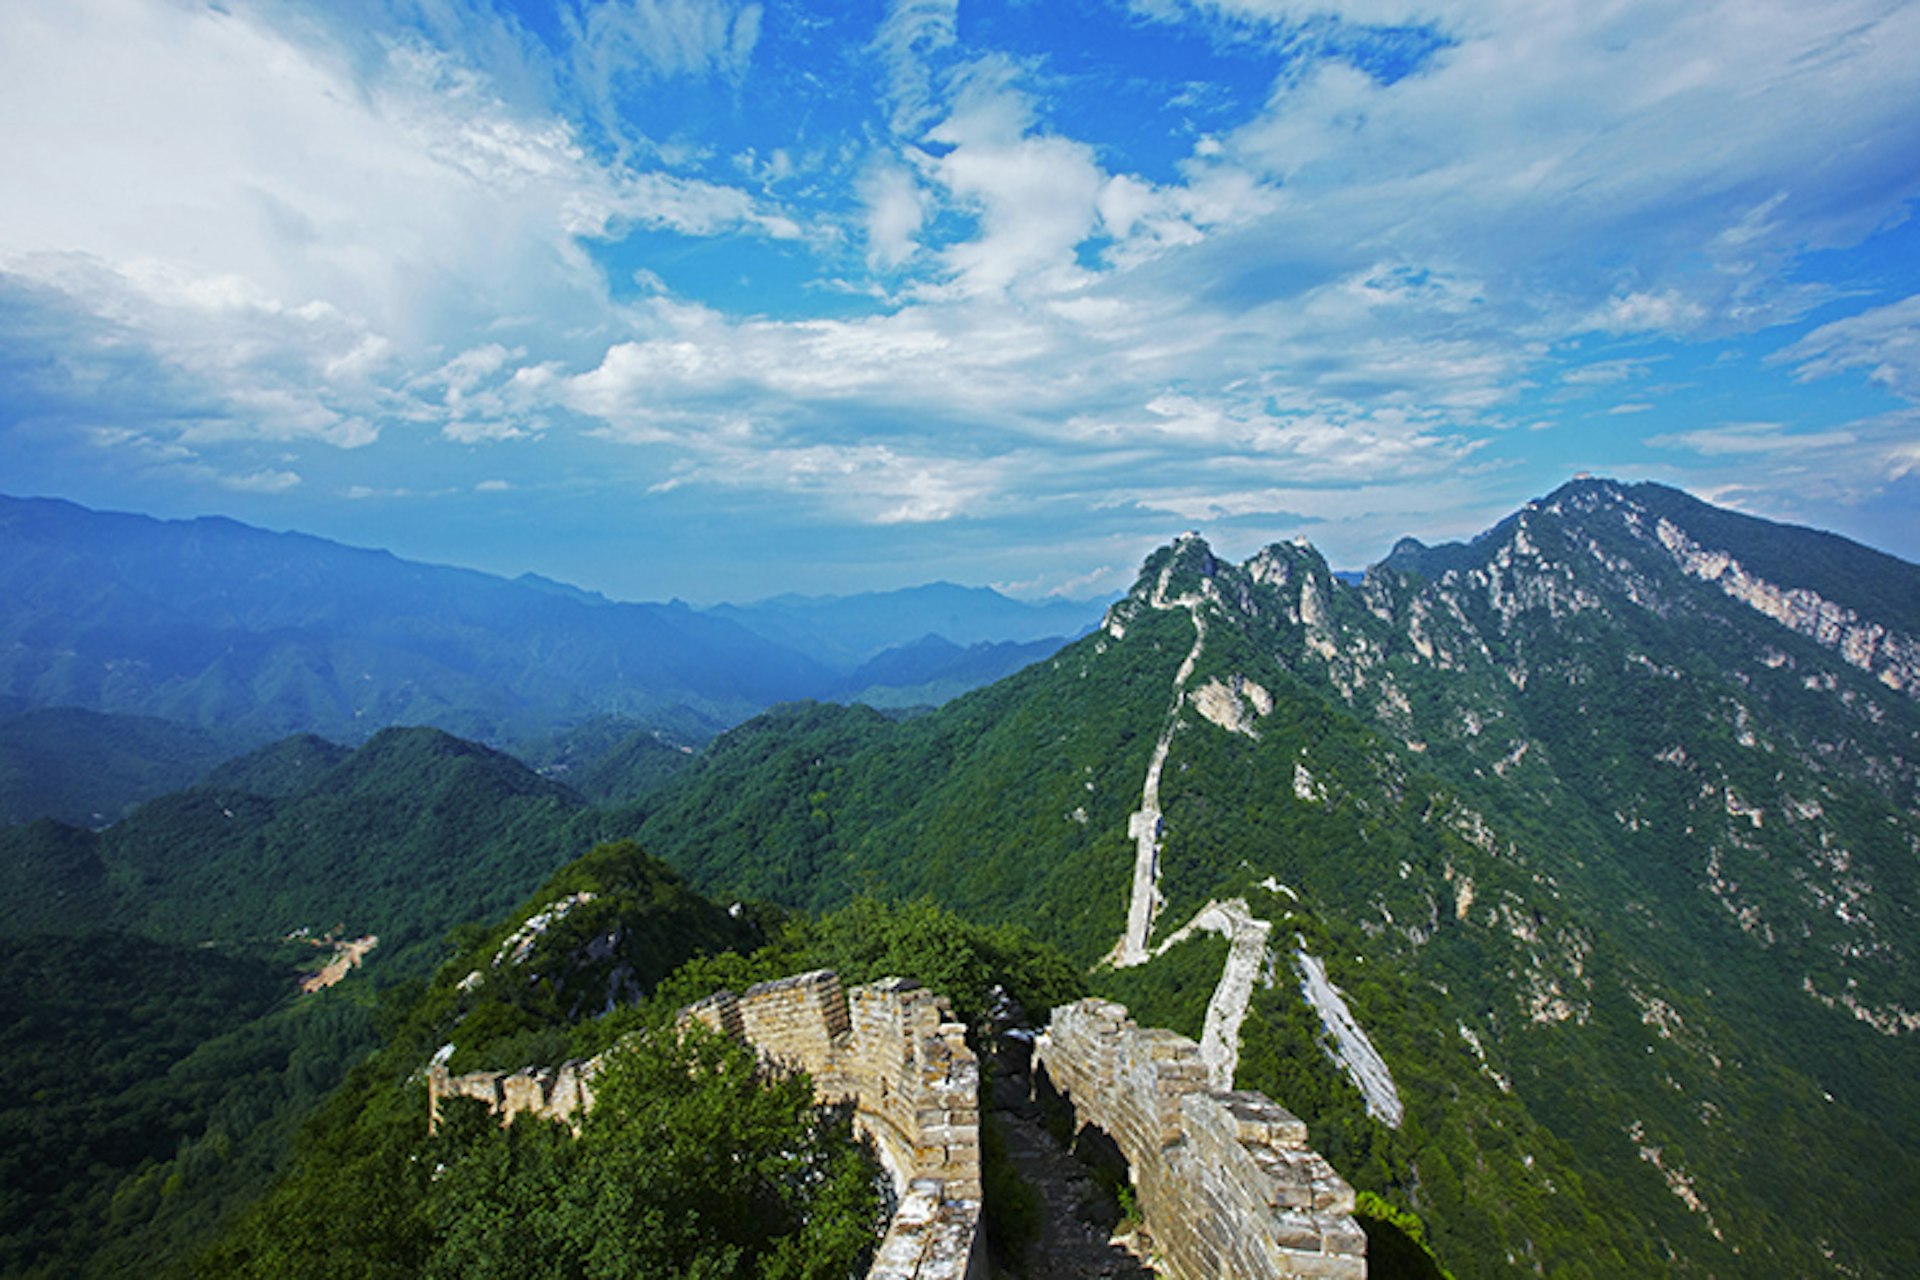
column 882, row 270
column 913, row 35
column 1883, row 341
column 262, row 481
column 1752, row 437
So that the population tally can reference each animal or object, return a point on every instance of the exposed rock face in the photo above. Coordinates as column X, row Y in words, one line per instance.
column 1892, row 658
column 1226, row 1181
column 1234, row 705
column 1351, row 1047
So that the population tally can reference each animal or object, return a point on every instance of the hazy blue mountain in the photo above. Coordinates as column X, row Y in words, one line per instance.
column 211, row 623
column 933, row 669
column 245, row 636
column 846, row 631
column 1607, row 823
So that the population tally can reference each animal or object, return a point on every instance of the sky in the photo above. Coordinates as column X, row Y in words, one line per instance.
column 716, row 299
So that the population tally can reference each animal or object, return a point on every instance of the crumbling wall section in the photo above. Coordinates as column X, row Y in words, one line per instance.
column 1226, row 1182
column 891, row 1049
column 559, row 1093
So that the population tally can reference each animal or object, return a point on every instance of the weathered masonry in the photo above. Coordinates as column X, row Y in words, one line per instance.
column 1225, row 1179
column 1226, row 1182
column 891, row 1049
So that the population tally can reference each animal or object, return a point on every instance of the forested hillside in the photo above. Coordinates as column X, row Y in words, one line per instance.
column 689, row 1163
column 89, row 769
column 1566, row 882
column 1609, row 839
column 158, row 1050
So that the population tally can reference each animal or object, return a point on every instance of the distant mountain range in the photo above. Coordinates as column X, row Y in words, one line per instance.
column 245, row 636
column 847, row 631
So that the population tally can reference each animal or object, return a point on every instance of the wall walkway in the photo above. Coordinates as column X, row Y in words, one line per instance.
column 1226, row 1182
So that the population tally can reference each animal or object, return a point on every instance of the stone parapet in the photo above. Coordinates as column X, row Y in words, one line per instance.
column 891, row 1050
column 796, row 1023
column 1226, row 1182
column 558, row 1093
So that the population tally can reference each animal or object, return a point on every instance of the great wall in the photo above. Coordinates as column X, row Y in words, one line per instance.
column 1227, row 1185
column 1235, row 707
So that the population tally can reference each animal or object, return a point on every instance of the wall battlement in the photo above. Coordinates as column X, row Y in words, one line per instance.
column 1226, row 1182
column 1225, row 1179
column 891, row 1049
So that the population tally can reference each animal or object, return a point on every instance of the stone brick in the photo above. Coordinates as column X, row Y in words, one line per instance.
column 1226, row 1182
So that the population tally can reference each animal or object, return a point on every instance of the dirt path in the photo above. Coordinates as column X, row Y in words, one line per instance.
column 347, row 955
column 1075, row 1240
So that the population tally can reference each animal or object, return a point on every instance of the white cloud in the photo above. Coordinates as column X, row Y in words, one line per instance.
column 1752, row 437
column 1885, row 342
column 1668, row 311
column 1036, row 195
column 263, row 481
column 913, row 33
column 1077, row 586
column 894, row 211
column 1642, row 167
column 875, row 484
column 1804, row 476
column 619, row 42
column 1349, row 286
column 297, row 232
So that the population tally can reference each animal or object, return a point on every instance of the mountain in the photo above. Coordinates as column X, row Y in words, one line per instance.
column 846, row 631
column 933, row 670
column 212, row 637
column 89, row 768
column 161, row 1050
column 257, row 635
column 610, row 760
column 1565, row 881
column 688, row 1158
column 403, row 838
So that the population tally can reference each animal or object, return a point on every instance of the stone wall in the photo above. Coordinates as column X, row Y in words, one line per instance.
column 561, row 1093
column 891, row 1049
column 1226, row 1182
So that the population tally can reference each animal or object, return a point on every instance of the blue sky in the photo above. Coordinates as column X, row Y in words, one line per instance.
column 718, row 299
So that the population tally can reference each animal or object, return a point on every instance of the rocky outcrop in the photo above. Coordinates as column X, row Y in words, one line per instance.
column 1226, row 1182
column 1890, row 657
